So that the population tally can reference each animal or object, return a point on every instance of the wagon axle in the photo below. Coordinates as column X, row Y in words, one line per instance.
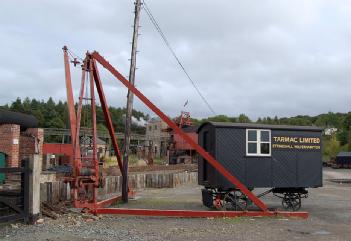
column 235, row 200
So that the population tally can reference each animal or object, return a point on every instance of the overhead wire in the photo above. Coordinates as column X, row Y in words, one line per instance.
column 73, row 55
column 165, row 40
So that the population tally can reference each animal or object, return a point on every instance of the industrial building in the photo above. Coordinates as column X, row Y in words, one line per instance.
column 157, row 137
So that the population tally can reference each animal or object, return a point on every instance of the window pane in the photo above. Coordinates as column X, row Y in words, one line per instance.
column 252, row 148
column 265, row 148
column 252, row 135
column 265, row 136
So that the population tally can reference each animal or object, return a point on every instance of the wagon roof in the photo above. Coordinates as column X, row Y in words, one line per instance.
column 260, row 126
column 344, row 154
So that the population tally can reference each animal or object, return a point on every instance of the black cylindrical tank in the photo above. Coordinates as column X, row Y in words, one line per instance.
column 23, row 120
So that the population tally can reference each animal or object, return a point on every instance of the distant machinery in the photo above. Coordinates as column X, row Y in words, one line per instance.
column 342, row 160
column 179, row 151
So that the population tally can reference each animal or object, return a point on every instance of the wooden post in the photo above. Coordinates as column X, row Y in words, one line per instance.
column 32, row 188
column 130, row 102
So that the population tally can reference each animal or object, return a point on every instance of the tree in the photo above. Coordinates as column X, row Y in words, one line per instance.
column 244, row 118
column 40, row 117
column 343, row 136
column 101, row 127
column 17, row 105
column 26, row 106
column 55, row 123
column 219, row 118
column 346, row 122
column 276, row 120
column 55, row 115
column 5, row 107
column 333, row 147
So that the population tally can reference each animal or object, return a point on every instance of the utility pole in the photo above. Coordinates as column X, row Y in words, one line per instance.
column 130, row 102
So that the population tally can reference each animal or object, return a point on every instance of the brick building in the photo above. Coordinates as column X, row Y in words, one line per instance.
column 9, row 143
column 19, row 138
column 17, row 145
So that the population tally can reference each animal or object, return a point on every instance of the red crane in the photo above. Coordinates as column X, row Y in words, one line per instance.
column 85, row 179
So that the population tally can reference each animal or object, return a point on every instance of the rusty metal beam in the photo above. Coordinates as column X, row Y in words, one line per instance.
column 107, row 115
column 70, row 100
column 110, row 201
column 94, row 160
column 198, row 213
column 77, row 156
column 187, row 138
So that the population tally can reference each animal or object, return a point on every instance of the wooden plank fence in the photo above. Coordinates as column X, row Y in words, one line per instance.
column 57, row 191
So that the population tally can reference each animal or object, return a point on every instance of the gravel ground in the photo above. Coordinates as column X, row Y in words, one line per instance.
column 329, row 208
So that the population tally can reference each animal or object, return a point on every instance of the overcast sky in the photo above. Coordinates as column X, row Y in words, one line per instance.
column 261, row 58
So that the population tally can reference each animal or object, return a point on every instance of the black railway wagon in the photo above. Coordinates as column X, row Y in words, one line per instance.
column 343, row 160
column 285, row 159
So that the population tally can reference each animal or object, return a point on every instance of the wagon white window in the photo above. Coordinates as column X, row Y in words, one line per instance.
column 258, row 142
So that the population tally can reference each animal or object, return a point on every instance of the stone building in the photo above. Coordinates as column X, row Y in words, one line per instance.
column 157, row 137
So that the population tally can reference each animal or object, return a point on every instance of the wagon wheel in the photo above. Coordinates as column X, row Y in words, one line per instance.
column 291, row 201
column 235, row 201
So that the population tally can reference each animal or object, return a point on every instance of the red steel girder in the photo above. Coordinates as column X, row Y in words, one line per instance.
column 107, row 115
column 70, row 100
column 94, row 130
column 97, row 205
column 110, row 201
column 81, row 182
column 198, row 214
column 187, row 138
column 76, row 143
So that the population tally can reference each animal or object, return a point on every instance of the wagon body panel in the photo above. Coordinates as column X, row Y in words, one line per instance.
column 289, row 165
column 343, row 158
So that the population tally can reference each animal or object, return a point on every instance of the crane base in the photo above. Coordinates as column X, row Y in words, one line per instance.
column 198, row 214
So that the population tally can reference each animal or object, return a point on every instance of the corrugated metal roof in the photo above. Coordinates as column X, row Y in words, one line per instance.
column 260, row 126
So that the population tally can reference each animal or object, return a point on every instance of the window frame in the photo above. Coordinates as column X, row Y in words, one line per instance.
column 258, row 143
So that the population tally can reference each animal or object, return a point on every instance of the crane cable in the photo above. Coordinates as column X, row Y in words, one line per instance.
column 158, row 29
column 73, row 55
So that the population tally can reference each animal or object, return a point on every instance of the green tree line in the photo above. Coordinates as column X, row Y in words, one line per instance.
column 51, row 114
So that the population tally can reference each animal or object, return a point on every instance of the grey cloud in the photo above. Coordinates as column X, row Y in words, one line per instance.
column 274, row 57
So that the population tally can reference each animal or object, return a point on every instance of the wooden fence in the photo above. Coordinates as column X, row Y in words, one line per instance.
column 57, row 191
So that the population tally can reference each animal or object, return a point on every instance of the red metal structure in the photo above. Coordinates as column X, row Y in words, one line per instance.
column 198, row 214
column 180, row 144
column 95, row 56
column 179, row 150
column 184, row 119
column 54, row 148
column 85, row 179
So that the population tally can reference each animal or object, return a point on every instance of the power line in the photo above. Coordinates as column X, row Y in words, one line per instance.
column 73, row 55
column 154, row 22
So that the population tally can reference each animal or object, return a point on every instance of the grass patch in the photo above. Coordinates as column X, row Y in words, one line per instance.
column 234, row 220
column 111, row 161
